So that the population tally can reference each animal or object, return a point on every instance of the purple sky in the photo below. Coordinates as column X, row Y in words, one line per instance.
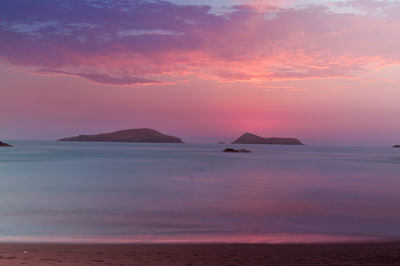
column 323, row 71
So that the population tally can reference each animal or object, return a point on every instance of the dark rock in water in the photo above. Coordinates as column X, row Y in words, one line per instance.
column 3, row 144
column 234, row 150
column 396, row 146
column 248, row 138
column 230, row 150
column 130, row 135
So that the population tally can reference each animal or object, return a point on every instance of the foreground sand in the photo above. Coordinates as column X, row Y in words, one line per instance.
column 218, row 254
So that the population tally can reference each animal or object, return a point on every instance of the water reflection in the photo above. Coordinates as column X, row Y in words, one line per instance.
column 167, row 192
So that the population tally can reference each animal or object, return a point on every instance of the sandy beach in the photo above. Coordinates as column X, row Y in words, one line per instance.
column 200, row 254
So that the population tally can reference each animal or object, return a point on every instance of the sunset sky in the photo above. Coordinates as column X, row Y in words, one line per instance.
column 326, row 72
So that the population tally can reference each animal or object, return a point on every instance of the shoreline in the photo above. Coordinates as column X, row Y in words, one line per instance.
column 216, row 238
column 371, row 253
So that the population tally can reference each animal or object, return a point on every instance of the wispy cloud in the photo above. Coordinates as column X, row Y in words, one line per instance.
column 103, row 78
column 126, row 42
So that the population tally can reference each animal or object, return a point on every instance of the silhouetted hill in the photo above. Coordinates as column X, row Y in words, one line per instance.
column 129, row 135
column 248, row 138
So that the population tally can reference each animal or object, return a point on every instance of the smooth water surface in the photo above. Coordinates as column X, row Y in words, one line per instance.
column 126, row 192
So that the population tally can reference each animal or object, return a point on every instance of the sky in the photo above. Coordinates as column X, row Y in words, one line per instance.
column 326, row 72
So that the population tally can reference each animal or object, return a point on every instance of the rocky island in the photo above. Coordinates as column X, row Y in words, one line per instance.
column 3, row 144
column 234, row 150
column 396, row 146
column 248, row 138
column 129, row 135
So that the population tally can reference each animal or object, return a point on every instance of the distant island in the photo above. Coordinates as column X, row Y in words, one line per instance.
column 248, row 138
column 129, row 135
column 3, row 144
column 234, row 150
column 396, row 146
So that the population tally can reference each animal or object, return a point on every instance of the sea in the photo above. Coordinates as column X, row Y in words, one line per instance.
column 195, row 193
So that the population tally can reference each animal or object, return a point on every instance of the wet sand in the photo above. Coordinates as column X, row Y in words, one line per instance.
column 200, row 254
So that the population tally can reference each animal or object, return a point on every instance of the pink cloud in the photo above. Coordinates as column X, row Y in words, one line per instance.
column 104, row 78
column 145, row 42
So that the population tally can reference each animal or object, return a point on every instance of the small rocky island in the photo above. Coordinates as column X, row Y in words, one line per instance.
column 235, row 150
column 3, row 144
column 248, row 138
column 130, row 135
column 396, row 146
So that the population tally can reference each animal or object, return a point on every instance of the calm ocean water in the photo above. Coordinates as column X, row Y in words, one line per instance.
column 125, row 192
